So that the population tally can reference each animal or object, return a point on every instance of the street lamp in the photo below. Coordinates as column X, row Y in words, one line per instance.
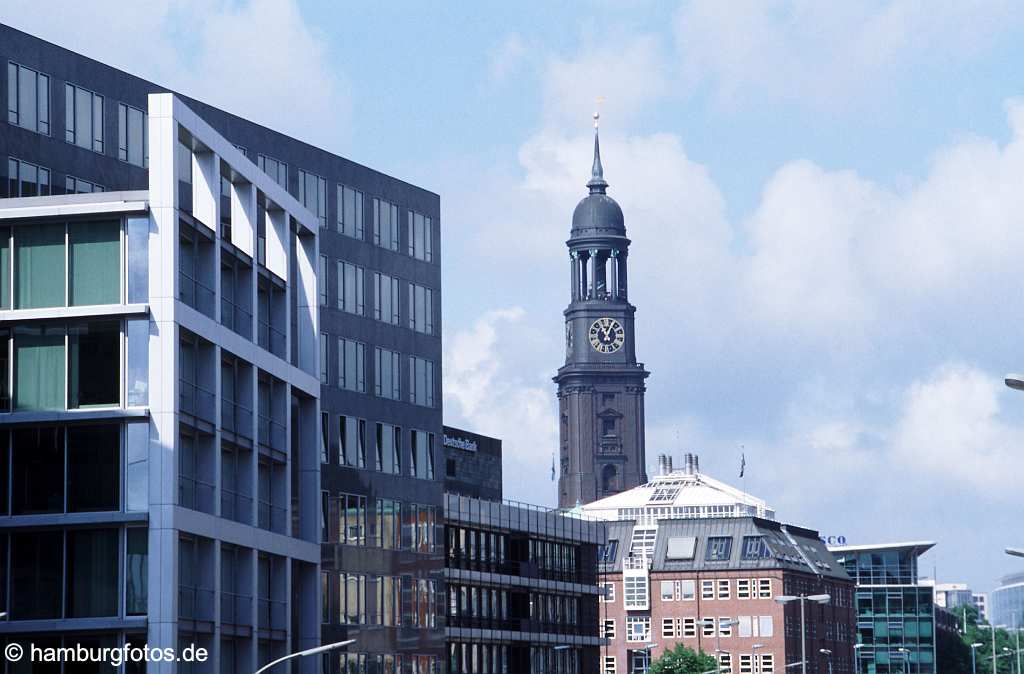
column 647, row 655
column 803, row 599
column 1014, row 381
column 906, row 658
column 309, row 651
column 974, row 665
column 753, row 654
column 827, row 653
column 1016, row 552
column 718, row 637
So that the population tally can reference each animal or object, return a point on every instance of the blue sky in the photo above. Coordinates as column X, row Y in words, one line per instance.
column 825, row 201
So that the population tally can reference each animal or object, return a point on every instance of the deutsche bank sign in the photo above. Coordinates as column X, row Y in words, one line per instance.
column 460, row 443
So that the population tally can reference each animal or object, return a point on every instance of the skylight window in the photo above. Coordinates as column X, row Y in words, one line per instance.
column 664, row 493
column 681, row 547
column 642, row 544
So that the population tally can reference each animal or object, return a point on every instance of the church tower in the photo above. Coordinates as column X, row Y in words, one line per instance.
column 601, row 386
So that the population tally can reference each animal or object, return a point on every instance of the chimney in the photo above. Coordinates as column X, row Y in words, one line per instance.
column 688, row 463
column 668, row 462
column 664, row 464
column 696, row 464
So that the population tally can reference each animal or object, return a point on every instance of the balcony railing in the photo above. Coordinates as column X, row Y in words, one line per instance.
column 272, row 517
column 235, row 506
column 236, row 418
column 196, row 294
column 273, row 434
column 195, row 603
column 195, row 494
column 195, row 400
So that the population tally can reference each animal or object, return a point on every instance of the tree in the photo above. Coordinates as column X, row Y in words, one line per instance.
column 683, row 660
column 982, row 633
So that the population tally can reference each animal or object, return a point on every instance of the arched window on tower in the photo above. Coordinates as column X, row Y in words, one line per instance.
column 609, row 478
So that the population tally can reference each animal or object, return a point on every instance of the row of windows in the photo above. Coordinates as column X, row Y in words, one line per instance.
column 389, row 524
column 685, row 590
column 349, row 364
column 687, row 627
column 388, row 456
column 393, row 601
column 640, row 661
column 28, row 106
column 25, row 179
column 386, row 301
column 77, row 573
column 377, row 663
column 57, row 366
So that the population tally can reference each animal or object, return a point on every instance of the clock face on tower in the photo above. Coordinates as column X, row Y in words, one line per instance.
column 607, row 335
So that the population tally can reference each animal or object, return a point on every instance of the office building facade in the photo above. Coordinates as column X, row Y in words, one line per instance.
column 1007, row 601
column 164, row 463
column 522, row 588
column 896, row 618
column 75, row 125
column 472, row 464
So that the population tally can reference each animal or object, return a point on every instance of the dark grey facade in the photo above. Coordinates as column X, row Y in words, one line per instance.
column 522, row 592
column 601, row 385
column 472, row 464
column 75, row 124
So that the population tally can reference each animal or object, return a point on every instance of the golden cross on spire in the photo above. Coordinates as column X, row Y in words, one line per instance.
column 597, row 115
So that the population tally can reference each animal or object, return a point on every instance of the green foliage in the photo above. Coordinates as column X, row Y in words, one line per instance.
column 960, row 660
column 683, row 660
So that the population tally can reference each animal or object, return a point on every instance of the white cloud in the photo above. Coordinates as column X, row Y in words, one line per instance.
column 951, row 429
column 254, row 58
column 828, row 54
column 484, row 389
column 627, row 72
column 507, row 58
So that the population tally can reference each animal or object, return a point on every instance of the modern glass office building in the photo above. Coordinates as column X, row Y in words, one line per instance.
column 522, row 588
column 1008, row 601
column 78, row 127
column 895, row 613
column 163, row 464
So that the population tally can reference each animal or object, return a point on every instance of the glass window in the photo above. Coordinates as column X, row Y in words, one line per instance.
column 387, row 373
column 352, row 432
column 37, row 559
column 39, row 266
column 322, row 280
column 27, row 180
column 421, row 309
column 389, row 449
column 73, row 185
column 138, row 258
column 133, row 143
column 83, row 118
column 754, row 547
column 350, row 288
column 5, row 374
column 92, row 561
column 351, row 365
column 39, row 368
column 137, row 571
column 313, row 195
column 385, row 224
column 94, row 467
column 421, row 452
column 95, row 262
column 37, row 470
column 385, row 298
column 420, row 237
column 324, row 363
column 137, row 384
column 421, row 381
column 94, row 356
column 136, row 482
column 28, row 98
column 719, row 548
column 274, row 168
column 350, row 212
column 5, row 267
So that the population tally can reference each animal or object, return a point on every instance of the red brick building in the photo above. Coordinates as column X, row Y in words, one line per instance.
column 711, row 583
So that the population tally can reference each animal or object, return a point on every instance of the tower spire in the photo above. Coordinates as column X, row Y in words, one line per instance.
column 597, row 182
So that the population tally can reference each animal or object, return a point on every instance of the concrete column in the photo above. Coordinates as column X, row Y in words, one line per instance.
column 593, row 274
